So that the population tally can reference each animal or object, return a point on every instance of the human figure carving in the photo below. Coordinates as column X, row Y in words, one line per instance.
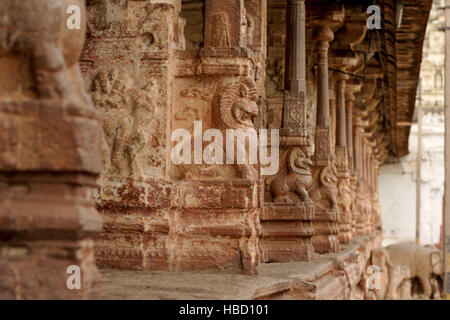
column 298, row 180
column 118, row 104
column 37, row 29
column 220, row 34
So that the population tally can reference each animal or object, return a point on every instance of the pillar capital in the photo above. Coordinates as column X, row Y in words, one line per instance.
column 323, row 33
column 353, row 87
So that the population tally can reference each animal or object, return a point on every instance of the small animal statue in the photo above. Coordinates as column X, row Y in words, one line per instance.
column 408, row 261
column 298, row 180
column 38, row 29
column 326, row 192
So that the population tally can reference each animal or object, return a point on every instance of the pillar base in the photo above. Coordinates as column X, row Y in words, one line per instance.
column 195, row 225
column 46, row 225
column 326, row 230
column 287, row 232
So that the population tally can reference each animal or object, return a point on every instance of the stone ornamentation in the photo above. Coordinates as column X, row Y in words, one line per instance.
column 298, row 180
column 238, row 108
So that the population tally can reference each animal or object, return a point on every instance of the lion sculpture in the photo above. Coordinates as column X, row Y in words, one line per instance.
column 298, row 179
column 238, row 109
column 326, row 192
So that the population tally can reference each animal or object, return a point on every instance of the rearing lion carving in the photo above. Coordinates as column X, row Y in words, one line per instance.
column 326, row 192
column 298, row 179
column 237, row 109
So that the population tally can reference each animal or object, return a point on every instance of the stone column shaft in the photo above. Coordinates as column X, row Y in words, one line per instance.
column 349, row 127
column 294, row 76
column 341, row 128
column 327, row 210
column 295, row 143
column 294, row 109
column 323, row 107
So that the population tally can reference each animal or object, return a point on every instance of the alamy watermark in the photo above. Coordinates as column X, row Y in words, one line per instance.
column 73, row 21
column 233, row 150
column 374, row 21
column 74, row 280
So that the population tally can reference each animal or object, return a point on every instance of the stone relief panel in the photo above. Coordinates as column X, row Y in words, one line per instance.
column 127, row 115
column 135, row 36
column 226, row 105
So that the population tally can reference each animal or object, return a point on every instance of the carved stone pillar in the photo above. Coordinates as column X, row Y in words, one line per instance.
column 358, row 212
column 372, row 191
column 286, row 221
column 49, row 159
column 131, row 83
column 343, row 174
column 351, row 34
column 364, row 198
column 324, row 192
column 215, row 213
column 352, row 88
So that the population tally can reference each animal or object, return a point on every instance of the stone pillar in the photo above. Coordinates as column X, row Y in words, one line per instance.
column 343, row 174
column 351, row 34
column 128, row 66
column 352, row 87
column 324, row 192
column 215, row 217
column 372, row 190
column 49, row 158
column 294, row 110
column 341, row 127
column 286, row 221
column 358, row 212
column 365, row 187
column 349, row 101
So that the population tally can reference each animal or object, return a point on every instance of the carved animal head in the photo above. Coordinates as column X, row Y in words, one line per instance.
column 298, row 162
column 328, row 176
column 239, row 105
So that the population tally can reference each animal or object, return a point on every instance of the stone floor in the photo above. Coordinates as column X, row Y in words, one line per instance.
column 327, row 276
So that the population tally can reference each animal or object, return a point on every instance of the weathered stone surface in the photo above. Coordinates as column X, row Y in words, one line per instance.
column 152, row 69
column 49, row 155
column 332, row 276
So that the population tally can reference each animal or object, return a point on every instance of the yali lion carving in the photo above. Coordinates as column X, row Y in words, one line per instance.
column 345, row 196
column 326, row 192
column 298, row 180
column 238, row 108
